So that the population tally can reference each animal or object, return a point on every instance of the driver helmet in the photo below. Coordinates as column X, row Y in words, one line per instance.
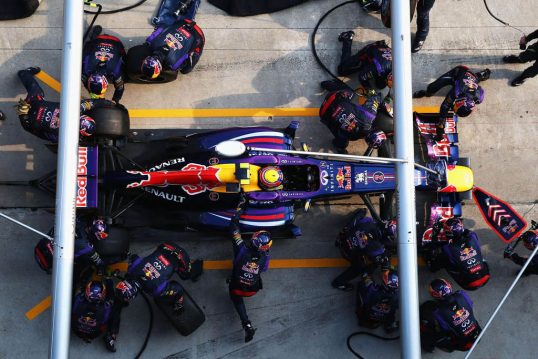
column 95, row 291
column 179, row 253
column 453, row 228
column 87, row 126
column 270, row 177
column 98, row 229
column 390, row 280
column 530, row 240
column 97, row 85
column 375, row 139
column 261, row 240
column 151, row 67
column 464, row 105
column 440, row 288
column 391, row 229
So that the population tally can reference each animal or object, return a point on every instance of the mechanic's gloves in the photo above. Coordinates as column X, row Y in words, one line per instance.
column 508, row 252
column 110, row 342
column 436, row 229
column 440, row 131
column 197, row 269
column 23, row 107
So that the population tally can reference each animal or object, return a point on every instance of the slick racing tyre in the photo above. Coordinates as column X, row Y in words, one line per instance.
column 111, row 121
column 189, row 320
column 386, row 8
column 135, row 57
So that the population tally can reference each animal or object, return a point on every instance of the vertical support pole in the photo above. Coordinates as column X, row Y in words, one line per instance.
column 64, row 234
column 407, row 242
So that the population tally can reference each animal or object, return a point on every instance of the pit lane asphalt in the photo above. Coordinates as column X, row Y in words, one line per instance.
column 262, row 62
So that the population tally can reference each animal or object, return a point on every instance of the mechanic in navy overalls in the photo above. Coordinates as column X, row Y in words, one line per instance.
column 103, row 60
column 251, row 258
column 85, row 253
column 377, row 304
column 346, row 118
column 373, row 63
column 361, row 242
column 530, row 241
column 92, row 313
column 461, row 256
column 448, row 322
column 42, row 118
column 462, row 98
column 176, row 43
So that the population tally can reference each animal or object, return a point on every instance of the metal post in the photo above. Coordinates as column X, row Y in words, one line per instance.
column 62, row 274
column 407, row 243
column 502, row 301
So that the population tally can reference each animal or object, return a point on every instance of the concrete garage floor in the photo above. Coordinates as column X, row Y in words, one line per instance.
column 265, row 61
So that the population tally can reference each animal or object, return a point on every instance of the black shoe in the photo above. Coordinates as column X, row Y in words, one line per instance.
column 345, row 287
column 34, row 70
column 249, row 331
column 420, row 94
column 483, row 75
column 346, row 36
column 511, row 59
column 110, row 342
column 417, row 45
column 2, row 116
column 96, row 31
column 518, row 81
column 331, row 85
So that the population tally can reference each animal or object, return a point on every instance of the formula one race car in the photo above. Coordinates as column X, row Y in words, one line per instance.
column 195, row 181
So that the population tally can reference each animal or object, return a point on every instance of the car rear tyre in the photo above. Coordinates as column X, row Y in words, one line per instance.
column 111, row 121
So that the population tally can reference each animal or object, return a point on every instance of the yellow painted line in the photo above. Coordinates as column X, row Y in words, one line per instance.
column 49, row 81
column 241, row 112
column 40, row 308
column 218, row 112
column 227, row 264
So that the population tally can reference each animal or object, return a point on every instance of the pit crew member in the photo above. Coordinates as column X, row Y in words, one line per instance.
column 461, row 256
column 103, row 60
column 362, row 243
column 448, row 322
column 92, row 313
column 530, row 241
column 377, row 304
column 346, row 118
column 176, row 43
column 373, row 63
column 42, row 118
column 85, row 254
column 251, row 258
column 462, row 98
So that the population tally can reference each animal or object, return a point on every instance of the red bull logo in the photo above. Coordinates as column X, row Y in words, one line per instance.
column 340, row 177
column 460, row 316
column 467, row 253
column 344, row 175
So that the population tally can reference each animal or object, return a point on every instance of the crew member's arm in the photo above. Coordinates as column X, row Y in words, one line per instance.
column 195, row 54
column 234, row 223
column 119, row 84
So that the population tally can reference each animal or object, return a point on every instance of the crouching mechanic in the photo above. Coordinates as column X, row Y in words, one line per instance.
column 377, row 304
column 373, row 63
column 92, row 313
column 461, row 256
column 362, row 243
column 530, row 241
column 176, row 43
column 448, row 322
column 346, row 118
column 251, row 258
column 85, row 253
column 42, row 118
column 462, row 98
column 103, row 59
